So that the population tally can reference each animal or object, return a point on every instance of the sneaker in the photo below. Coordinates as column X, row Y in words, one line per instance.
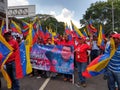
column 84, row 84
column 30, row 75
column 78, row 84
column 38, row 77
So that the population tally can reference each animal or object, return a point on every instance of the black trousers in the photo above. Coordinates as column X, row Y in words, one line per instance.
column 94, row 54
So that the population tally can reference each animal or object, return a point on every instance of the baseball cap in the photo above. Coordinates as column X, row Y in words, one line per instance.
column 116, row 35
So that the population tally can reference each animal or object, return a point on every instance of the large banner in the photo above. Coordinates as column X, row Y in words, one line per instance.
column 53, row 58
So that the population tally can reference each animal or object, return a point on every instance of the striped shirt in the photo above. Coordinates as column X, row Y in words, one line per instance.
column 114, row 64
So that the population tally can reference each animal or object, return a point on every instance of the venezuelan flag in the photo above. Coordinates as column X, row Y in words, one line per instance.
column 25, row 32
column 6, row 51
column 68, row 32
column 19, row 72
column 25, row 29
column 76, row 30
column 40, row 32
column 67, row 29
column 101, row 37
column 97, row 66
column 85, row 33
column 23, row 60
column 28, row 63
column 25, row 25
column 3, row 27
column 34, row 36
column 28, row 45
column 52, row 34
column 91, row 28
column 23, row 65
column 35, row 30
column 15, row 27
column 47, row 34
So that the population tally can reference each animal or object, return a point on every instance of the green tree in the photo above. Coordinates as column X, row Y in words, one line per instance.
column 54, row 24
column 101, row 13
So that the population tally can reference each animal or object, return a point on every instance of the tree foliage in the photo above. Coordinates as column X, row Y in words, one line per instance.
column 101, row 13
column 56, row 26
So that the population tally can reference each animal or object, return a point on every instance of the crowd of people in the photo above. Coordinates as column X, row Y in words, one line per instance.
column 85, row 50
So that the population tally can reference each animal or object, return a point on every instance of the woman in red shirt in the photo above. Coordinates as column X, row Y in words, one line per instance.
column 81, row 59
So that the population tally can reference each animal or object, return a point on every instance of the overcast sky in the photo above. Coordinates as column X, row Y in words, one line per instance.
column 63, row 10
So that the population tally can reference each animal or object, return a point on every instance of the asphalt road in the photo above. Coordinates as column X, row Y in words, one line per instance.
column 32, row 83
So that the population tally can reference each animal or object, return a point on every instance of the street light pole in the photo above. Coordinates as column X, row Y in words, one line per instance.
column 112, row 16
column 6, row 8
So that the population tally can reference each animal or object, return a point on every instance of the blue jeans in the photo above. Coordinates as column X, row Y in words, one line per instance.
column 81, row 67
column 112, row 78
column 10, row 67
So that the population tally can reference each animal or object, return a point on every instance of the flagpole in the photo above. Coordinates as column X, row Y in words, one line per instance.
column 112, row 16
column 7, row 15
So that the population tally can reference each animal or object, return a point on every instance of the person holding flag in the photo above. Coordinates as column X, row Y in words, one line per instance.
column 10, row 63
column 109, row 63
column 113, row 67
column 81, row 59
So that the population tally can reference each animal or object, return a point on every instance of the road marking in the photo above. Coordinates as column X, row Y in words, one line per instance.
column 44, row 84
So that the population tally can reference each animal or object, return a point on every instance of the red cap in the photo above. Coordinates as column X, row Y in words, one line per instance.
column 116, row 35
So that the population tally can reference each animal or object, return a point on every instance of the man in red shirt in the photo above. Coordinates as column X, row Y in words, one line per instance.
column 81, row 59
column 10, row 63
